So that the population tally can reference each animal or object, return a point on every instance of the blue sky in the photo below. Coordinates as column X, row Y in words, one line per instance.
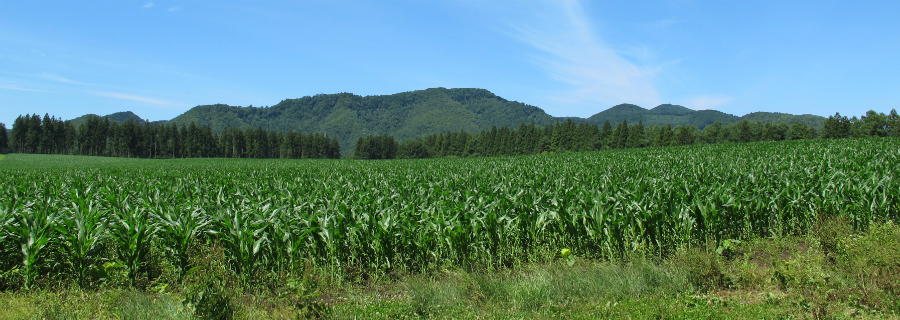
column 159, row 58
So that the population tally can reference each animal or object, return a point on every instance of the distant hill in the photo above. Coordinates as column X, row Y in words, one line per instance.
column 417, row 113
column 404, row 115
column 115, row 117
column 679, row 116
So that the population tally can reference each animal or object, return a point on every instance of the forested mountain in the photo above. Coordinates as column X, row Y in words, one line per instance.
column 119, row 117
column 419, row 113
column 676, row 115
column 347, row 116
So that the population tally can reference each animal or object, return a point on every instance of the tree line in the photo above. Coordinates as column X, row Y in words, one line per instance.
column 571, row 137
column 98, row 136
column 137, row 139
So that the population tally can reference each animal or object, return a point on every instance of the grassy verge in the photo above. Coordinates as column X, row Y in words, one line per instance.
column 832, row 274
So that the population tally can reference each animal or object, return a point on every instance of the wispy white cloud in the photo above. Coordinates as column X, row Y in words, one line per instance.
column 10, row 87
column 148, row 5
column 597, row 75
column 57, row 78
column 174, row 9
column 133, row 98
column 703, row 102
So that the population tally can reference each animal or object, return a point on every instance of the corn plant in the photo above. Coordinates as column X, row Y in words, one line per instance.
column 82, row 230
column 33, row 228
column 243, row 232
column 7, row 219
column 289, row 237
column 132, row 231
column 178, row 232
column 275, row 215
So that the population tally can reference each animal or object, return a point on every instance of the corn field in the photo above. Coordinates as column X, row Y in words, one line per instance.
column 63, row 217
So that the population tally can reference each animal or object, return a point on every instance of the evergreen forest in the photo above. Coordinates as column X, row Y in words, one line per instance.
column 98, row 136
column 571, row 137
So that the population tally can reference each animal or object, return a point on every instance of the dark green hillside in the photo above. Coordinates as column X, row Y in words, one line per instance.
column 623, row 112
column 662, row 115
column 777, row 117
column 438, row 110
column 680, row 116
column 115, row 117
column 403, row 115
column 671, row 110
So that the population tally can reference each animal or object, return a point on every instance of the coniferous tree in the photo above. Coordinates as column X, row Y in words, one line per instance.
column 606, row 135
column 555, row 137
column 893, row 123
column 589, row 137
column 620, row 135
column 664, row 138
column 503, row 144
column 335, row 149
column 544, row 145
column 239, row 143
column 743, row 131
column 47, row 135
column 286, row 152
column 33, row 135
column 4, row 139
column 636, row 136
column 17, row 135
column 100, row 136
column 174, row 142
column 59, row 136
column 114, row 144
column 376, row 147
column 684, row 135
column 412, row 149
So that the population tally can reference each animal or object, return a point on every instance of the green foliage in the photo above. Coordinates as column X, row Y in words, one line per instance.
column 348, row 117
column 179, row 230
column 31, row 227
column 419, row 113
column 243, row 230
column 761, row 278
column 139, row 139
column 873, row 261
column 4, row 139
column 704, row 268
column 82, row 230
column 674, row 115
column 132, row 231
column 336, row 122
column 413, row 149
column 376, row 147
column 119, row 117
column 370, row 219
column 209, row 297
column 568, row 137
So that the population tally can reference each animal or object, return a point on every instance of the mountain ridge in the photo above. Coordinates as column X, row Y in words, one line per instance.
column 417, row 113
